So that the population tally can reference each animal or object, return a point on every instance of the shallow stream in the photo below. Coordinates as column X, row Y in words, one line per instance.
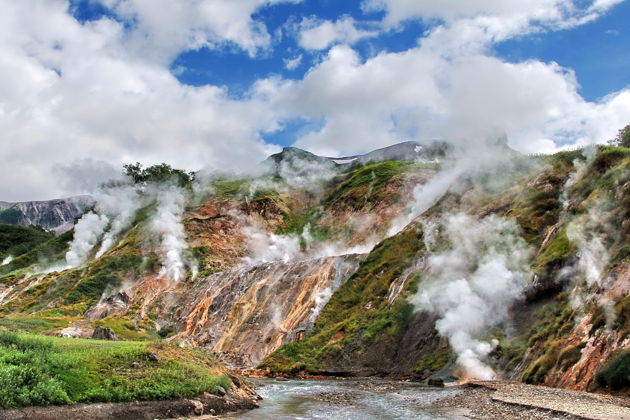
column 347, row 399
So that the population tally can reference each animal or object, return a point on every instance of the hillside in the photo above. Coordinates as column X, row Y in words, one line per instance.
column 509, row 266
column 54, row 215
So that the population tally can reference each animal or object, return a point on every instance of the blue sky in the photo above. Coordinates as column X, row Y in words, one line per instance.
column 598, row 52
column 213, row 84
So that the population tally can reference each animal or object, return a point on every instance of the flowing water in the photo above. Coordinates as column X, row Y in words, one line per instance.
column 347, row 399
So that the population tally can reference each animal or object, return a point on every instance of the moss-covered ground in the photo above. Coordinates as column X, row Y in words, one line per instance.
column 38, row 370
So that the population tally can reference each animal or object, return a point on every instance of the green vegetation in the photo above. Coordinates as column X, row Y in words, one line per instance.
column 433, row 362
column 365, row 183
column 127, row 328
column 158, row 174
column 37, row 370
column 52, row 250
column 622, row 318
column 538, row 206
column 105, row 273
column 229, row 187
column 622, row 139
column 32, row 324
column 570, row 356
column 11, row 216
column 358, row 315
column 616, row 373
column 553, row 321
column 17, row 240
column 554, row 254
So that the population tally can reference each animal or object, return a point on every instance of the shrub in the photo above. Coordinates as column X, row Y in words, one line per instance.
column 616, row 373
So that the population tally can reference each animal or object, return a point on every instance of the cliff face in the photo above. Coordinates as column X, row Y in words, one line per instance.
column 55, row 215
column 388, row 268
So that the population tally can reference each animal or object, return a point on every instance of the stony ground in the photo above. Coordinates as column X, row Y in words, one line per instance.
column 500, row 400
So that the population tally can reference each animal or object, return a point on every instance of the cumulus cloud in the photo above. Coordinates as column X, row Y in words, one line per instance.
column 316, row 34
column 293, row 63
column 103, row 89
column 163, row 28
column 517, row 14
column 427, row 92
column 72, row 91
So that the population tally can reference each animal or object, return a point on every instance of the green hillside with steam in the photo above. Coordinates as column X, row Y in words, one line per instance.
column 458, row 265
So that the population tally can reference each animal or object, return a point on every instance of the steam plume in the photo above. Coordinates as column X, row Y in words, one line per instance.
column 87, row 232
column 167, row 223
column 120, row 205
column 473, row 284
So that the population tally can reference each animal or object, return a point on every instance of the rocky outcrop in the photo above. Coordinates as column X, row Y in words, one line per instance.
column 245, row 313
column 117, row 304
column 55, row 215
column 104, row 333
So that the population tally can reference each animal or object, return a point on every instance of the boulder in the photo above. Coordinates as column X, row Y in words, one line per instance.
column 436, row 382
column 104, row 333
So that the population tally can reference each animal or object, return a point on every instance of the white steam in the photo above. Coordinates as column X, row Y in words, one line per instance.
column 588, row 233
column 7, row 260
column 264, row 247
column 167, row 224
column 87, row 233
column 120, row 205
column 473, row 284
column 482, row 152
column 304, row 172
column 113, row 212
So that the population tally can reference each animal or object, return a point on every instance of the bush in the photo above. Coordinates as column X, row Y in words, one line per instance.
column 616, row 373
column 623, row 137
column 37, row 370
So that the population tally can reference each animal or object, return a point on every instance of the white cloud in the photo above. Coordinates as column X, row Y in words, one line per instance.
column 163, row 28
column 70, row 91
column 293, row 63
column 422, row 94
column 516, row 13
column 316, row 34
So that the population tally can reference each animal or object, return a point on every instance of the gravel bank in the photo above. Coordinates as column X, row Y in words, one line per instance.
column 498, row 400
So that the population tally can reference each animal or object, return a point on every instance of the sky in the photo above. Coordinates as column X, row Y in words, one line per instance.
column 87, row 85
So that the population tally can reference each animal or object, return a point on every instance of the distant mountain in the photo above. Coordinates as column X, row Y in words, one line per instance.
column 409, row 150
column 54, row 215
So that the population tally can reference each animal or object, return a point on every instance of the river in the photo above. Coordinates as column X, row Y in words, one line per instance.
column 347, row 399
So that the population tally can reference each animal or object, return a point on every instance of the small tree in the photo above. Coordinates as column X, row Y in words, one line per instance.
column 158, row 174
column 623, row 137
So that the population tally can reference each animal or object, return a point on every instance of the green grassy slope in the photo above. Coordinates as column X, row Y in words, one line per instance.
column 37, row 370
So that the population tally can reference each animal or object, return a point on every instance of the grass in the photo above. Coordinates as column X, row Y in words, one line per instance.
column 17, row 240
column 554, row 254
column 129, row 329
column 616, row 373
column 433, row 362
column 366, row 183
column 108, row 272
column 553, row 321
column 229, row 187
column 32, row 324
column 38, row 370
column 51, row 250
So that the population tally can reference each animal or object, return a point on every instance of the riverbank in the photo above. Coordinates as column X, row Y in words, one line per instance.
column 206, row 404
column 501, row 400
column 383, row 399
